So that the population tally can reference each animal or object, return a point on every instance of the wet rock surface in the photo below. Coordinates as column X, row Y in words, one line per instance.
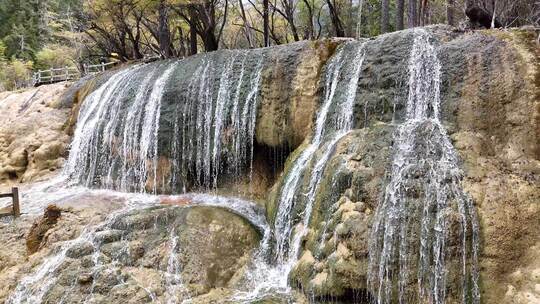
column 161, row 252
column 490, row 110
column 16, row 262
column 37, row 234
column 334, row 262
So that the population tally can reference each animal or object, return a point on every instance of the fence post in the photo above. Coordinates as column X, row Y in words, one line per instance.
column 103, row 67
column 16, row 206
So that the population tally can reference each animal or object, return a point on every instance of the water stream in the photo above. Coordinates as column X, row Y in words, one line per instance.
column 118, row 143
column 214, row 125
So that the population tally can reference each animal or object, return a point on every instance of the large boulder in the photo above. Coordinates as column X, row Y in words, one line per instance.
column 161, row 252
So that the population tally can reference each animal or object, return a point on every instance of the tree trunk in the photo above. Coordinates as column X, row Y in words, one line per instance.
column 350, row 23
column 247, row 30
column 163, row 30
column 338, row 26
column 400, row 6
column 385, row 6
column 359, row 19
column 210, row 41
column 192, row 34
column 294, row 31
column 450, row 12
column 411, row 15
column 266, row 24
column 494, row 2
column 423, row 13
column 181, row 44
column 309, row 28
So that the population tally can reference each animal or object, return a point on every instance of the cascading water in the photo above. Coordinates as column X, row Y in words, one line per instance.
column 204, row 127
column 335, row 126
column 213, row 125
column 173, row 277
column 410, row 238
column 116, row 151
column 334, row 120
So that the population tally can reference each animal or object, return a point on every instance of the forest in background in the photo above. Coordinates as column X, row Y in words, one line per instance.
column 40, row 34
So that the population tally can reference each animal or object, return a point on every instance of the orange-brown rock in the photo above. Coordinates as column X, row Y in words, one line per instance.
column 39, row 229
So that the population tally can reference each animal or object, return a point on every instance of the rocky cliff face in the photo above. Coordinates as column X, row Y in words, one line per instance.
column 33, row 140
column 490, row 108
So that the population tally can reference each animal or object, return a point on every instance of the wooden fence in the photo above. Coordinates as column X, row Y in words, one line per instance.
column 97, row 68
column 14, row 209
column 67, row 73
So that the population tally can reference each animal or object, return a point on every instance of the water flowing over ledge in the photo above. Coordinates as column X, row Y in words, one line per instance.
column 343, row 156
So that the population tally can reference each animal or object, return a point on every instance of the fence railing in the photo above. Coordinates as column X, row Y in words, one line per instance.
column 97, row 68
column 55, row 75
column 14, row 209
column 67, row 73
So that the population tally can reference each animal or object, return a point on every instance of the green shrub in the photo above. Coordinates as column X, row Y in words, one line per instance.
column 54, row 56
column 15, row 74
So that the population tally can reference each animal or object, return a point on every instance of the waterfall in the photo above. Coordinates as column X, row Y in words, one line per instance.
column 334, row 120
column 173, row 277
column 217, row 128
column 421, row 200
column 114, row 150
column 124, row 132
column 338, row 126
column 119, row 142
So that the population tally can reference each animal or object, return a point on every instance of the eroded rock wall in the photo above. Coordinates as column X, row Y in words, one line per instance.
column 33, row 137
column 490, row 108
column 498, row 123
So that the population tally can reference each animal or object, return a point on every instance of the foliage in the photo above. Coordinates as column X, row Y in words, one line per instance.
column 15, row 74
column 54, row 33
column 55, row 56
column 2, row 52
